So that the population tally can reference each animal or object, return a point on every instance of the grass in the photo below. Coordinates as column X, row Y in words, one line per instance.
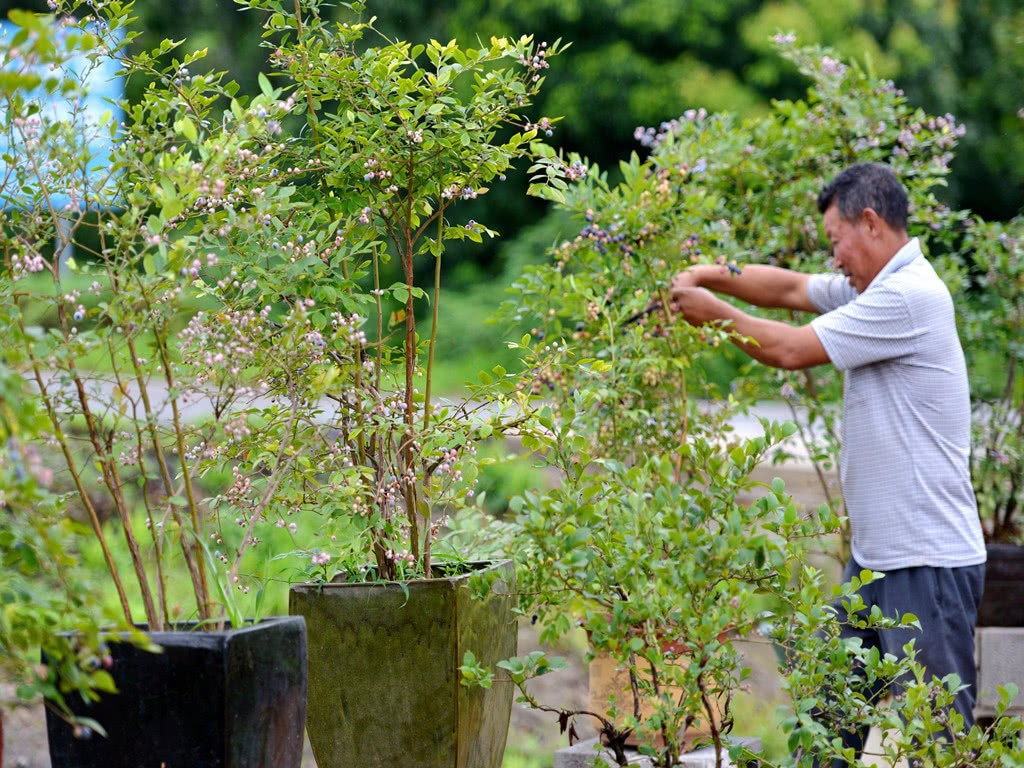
column 527, row 752
column 267, row 594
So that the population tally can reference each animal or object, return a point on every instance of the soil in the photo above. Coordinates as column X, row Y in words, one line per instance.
column 25, row 730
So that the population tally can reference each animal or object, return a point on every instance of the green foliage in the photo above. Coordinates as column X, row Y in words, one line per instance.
column 221, row 367
column 633, row 68
column 990, row 319
column 923, row 728
column 138, row 230
column 397, row 137
column 43, row 588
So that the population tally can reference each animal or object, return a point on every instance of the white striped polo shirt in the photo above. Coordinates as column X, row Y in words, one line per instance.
column 906, row 426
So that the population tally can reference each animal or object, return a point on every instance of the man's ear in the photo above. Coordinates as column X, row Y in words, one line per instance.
column 874, row 223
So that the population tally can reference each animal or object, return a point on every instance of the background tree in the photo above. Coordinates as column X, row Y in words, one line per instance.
column 641, row 62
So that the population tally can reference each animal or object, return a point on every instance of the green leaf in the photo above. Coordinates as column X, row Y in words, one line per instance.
column 186, row 128
column 400, row 291
column 172, row 208
column 265, row 87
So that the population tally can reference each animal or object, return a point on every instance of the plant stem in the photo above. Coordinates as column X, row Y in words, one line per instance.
column 305, row 68
column 107, row 465
column 384, row 565
column 69, row 459
column 158, row 621
column 427, row 403
column 83, row 494
column 282, row 462
column 407, row 448
column 191, row 550
column 427, row 409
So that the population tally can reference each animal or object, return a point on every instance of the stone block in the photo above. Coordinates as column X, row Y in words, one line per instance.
column 1000, row 652
column 582, row 754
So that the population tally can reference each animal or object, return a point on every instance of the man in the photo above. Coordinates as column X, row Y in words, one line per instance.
column 887, row 321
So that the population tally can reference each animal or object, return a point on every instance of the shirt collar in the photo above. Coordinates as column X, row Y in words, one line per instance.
column 910, row 251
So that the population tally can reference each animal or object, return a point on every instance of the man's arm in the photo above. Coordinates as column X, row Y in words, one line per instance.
column 773, row 343
column 758, row 284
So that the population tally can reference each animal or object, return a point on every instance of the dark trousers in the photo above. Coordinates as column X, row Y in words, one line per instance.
column 945, row 601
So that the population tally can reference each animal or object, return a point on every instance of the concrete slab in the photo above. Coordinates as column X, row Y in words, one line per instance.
column 583, row 753
column 1000, row 653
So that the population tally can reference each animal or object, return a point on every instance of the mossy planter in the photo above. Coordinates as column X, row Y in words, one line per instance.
column 384, row 682
column 231, row 699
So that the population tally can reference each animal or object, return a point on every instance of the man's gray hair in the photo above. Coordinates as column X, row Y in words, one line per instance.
column 867, row 185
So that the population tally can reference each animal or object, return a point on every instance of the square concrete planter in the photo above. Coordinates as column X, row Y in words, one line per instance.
column 384, row 683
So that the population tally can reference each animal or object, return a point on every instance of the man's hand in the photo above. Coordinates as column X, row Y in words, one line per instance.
column 685, row 279
column 697, row 305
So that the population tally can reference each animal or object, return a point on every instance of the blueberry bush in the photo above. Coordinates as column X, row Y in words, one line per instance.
column 228, row 396
column 658, row 542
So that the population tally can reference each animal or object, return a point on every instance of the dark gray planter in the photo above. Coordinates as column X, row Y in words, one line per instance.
column 231, row 699
column 1002, row 604
column 384, row 681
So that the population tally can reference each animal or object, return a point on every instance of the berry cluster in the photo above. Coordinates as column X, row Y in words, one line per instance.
column 23, row 264
column 832, row 67
column 651, row 138
column 538, row 62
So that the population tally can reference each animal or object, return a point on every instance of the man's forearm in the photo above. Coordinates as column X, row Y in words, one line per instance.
column 758, row 284
column 776, row 344
column 768, row 341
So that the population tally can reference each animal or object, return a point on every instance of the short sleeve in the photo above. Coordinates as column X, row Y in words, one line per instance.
column 829, row 292
column 876, row 326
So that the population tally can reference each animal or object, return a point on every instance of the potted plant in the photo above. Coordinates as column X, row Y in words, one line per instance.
column 119, row 341
column 387, row 146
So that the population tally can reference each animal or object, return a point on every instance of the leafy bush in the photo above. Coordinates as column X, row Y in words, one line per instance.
column 645, row 543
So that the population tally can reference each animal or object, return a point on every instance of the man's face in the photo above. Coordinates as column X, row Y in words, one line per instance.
column 850, row 248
